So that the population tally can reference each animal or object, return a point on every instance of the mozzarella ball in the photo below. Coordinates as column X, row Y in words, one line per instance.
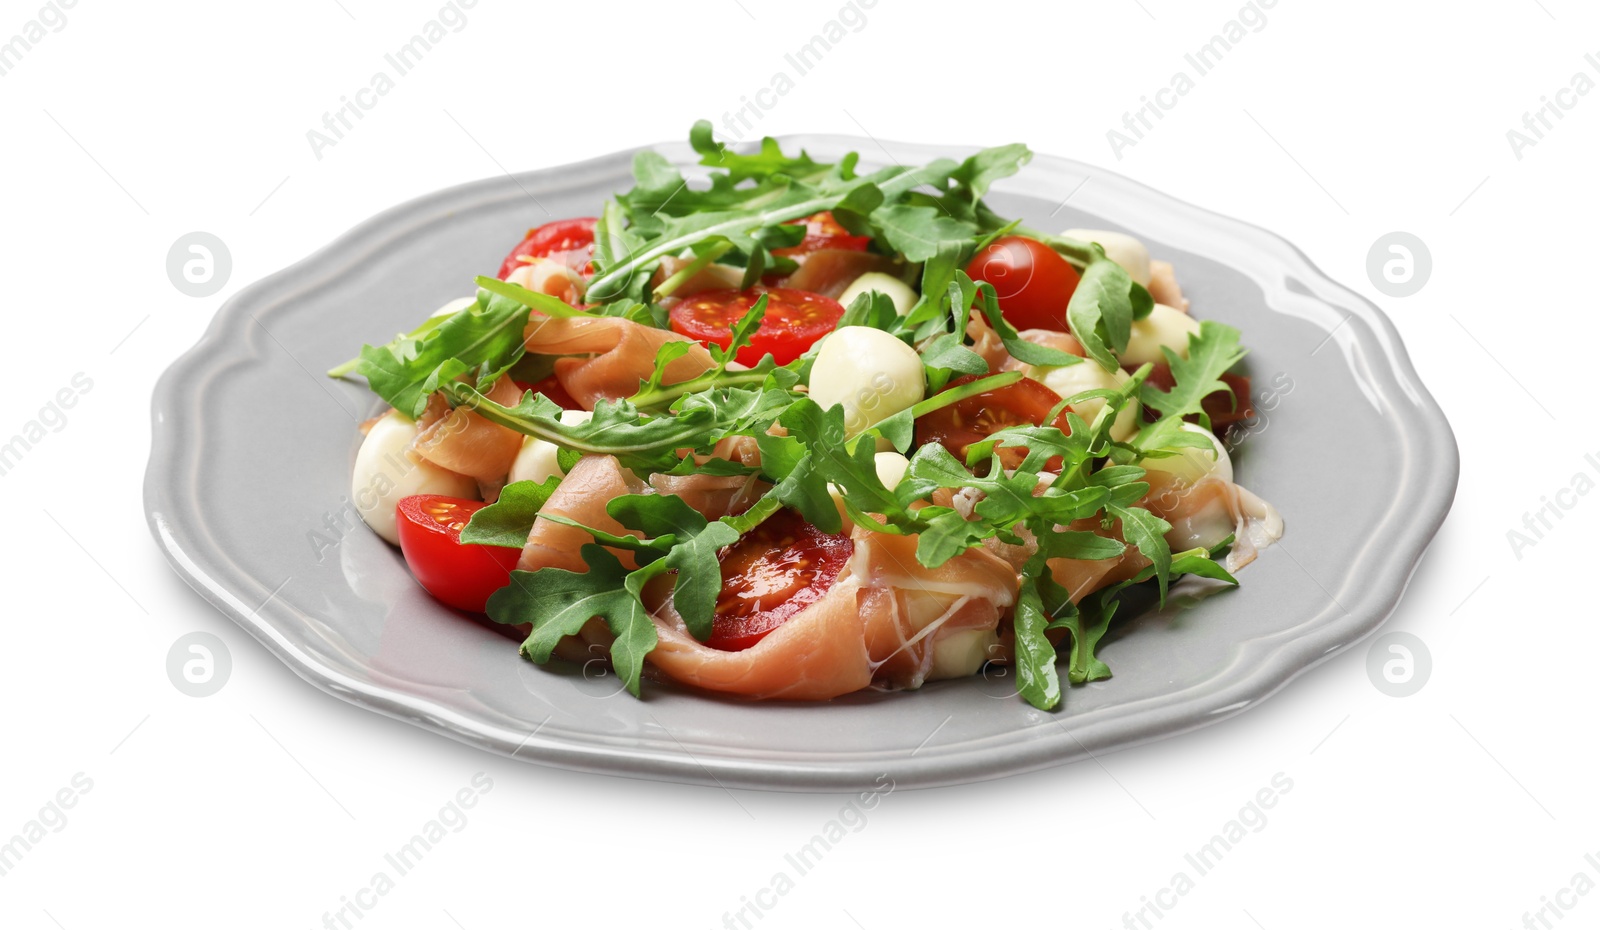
column 1121, row 248
column 898, row 291
column 892, row 467
column 1068, row 380
column 1192, row 463
column 873, row 374
column 959, row 654
column 1164, row 326
column 386, row 470
column 550, row 277
column 537, row 459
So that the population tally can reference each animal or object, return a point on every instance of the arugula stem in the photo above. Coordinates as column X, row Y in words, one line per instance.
column 665, row 288
column 960, row 393
column 463, row 395
column 667, row 393
column 533, row 300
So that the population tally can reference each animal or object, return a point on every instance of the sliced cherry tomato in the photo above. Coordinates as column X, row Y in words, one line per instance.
column 1223, row 409
column 959, row 425
column 1032, row 281
column 824, row 232
column 551, row 388
column 794, row 320
column 460, row 574
column 775, row 571
column 571, row 241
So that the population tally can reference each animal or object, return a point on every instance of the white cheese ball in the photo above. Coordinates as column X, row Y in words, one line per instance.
column 1191, row 464
column 537, row 459
column 892, row 467
column 386, row 471
column 1165, row 326
column 1121, row 248
column 959, row 654
column 1068, row 380
column 898, row 291
column 873, row 374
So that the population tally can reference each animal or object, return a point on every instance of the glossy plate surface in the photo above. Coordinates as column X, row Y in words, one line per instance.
column 248, row 483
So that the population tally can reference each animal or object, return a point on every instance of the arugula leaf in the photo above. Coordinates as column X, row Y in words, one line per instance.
column 767, row 161
column 871, row 308
column 1102, row 309
column 946, row 355
column 486, row 337
column 692, row 550
column 558, row 603
column 1212, row 351
column 507, row 521
column 1021, row 349
column 1034, row 654
column 1148, row 532
column 918, row 231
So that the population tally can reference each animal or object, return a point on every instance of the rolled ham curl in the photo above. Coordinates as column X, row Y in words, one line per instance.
column 464, row 442
column 581, row 496
column 879, row 625
column 621, row 353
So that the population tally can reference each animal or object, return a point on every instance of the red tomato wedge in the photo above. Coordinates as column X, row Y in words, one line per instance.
column 794, row 320
column 459, row 574
column 772, row 573
column 1032, row 282
column 824, row 232
column 571, row 241
column 1025, row 403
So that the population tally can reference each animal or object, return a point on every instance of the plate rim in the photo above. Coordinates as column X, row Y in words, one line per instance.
column 1259, row 667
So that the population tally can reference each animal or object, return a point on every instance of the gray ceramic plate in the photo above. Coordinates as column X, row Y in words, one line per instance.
column 249, row 475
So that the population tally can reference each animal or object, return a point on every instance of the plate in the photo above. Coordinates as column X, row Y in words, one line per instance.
column 247, row 492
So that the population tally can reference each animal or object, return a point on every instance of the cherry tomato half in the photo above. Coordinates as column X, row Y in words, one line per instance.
column 571, row 241
column 1025, row 403
column 775, row 571
column 794, row 320
column 1032, row 281
column 824, row 232
column 459, row 574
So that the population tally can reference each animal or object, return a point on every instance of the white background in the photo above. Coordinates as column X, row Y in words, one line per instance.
column 264, row 805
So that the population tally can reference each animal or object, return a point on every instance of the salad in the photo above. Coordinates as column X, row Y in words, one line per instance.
column 792, row 430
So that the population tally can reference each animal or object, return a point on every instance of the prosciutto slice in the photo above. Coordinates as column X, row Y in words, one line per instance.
column 617, row 355
column 464, row 442
column 879, row 625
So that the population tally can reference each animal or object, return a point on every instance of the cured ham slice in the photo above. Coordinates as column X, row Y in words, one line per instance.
column 1206, row 512
column 466, row 443
column 710, row 278
column 621, row 354
column 829, row 271
column 582, row 496
column 880, row 624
